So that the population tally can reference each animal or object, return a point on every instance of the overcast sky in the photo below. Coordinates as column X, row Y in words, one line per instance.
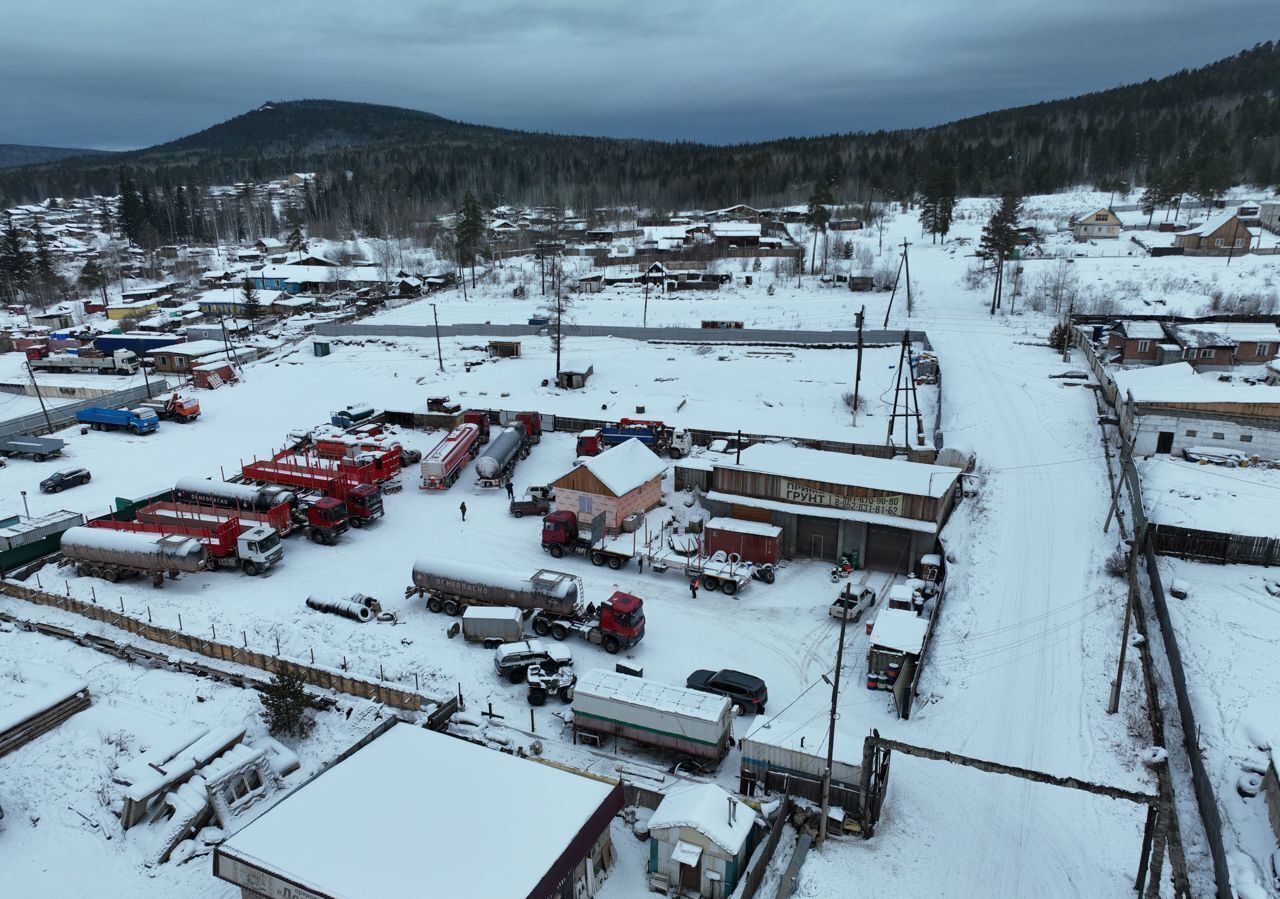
column 131, row 73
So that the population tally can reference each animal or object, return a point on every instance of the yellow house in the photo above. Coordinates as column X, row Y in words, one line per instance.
column 135, row 309
column 1102, row 224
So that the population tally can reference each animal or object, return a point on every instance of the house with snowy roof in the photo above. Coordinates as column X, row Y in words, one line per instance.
column 1216, row 345
column 1220, row 235
column 622, row 480
column 1101, row 224
column 700, row 838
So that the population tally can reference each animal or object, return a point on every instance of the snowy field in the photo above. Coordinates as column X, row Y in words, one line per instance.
column 1229, row 633
column 1024, row 652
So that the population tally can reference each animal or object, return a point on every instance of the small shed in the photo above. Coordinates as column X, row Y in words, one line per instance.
column 896, row 638
column 753, row 541
column 620, row 481
column 700, row 838
column 574, row 374
column 503, row 349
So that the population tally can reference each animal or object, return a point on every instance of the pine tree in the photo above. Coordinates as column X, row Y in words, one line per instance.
column 249, row 299
column 93, row 277
column 817, row 216
column 295, row 241
column 44, row 277
column 285, row 703
column 131, row 214
column 16, row 263
column 468, row 233
column 999, row 236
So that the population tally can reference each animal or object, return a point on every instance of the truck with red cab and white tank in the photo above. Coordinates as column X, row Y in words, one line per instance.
column 447, row 460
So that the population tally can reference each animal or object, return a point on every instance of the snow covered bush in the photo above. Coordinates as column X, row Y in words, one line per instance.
column 1117, row 564
column 285, row 703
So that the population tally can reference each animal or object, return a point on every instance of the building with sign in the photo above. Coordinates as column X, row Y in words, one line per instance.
column 426, row 804
column 886, row 512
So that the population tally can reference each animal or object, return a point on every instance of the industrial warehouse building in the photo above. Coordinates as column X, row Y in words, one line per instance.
column 427, row 811
column 621, row 481
column 886, row 512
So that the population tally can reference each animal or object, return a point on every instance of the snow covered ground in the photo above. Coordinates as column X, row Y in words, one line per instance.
column 1211, row 497
column 1023, row 654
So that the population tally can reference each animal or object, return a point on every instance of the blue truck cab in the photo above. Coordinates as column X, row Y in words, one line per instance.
column 140, row 421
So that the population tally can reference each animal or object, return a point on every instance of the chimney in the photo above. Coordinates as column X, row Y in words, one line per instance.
column 733, row 810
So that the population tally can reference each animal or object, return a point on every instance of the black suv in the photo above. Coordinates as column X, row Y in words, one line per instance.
column 68, row 477
column 746, row 691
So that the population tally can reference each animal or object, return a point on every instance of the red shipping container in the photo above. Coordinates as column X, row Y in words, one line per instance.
column 753, row 541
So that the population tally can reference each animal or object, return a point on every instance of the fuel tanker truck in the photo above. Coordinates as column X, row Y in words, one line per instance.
column 441, row 466
column 495, row 465
column 233, row 496
column 113, row 555
column 551, row 600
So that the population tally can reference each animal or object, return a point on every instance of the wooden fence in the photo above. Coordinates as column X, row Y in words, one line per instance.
column 759, row 864
column 323, row 678
column 1213, row 546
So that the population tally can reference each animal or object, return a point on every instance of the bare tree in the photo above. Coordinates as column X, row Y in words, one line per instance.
column 557, row 308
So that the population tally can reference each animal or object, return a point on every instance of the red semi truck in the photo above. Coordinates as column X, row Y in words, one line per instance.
column 229, row 544
column 442, row 466
column 481, row 421
column 656, row 435
column 342, row 500
column 280, row 518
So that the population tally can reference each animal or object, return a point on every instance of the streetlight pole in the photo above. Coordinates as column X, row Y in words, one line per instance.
column 439, row 352
column 25, row 507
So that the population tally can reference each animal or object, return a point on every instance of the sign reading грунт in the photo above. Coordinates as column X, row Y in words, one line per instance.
column 879, row 505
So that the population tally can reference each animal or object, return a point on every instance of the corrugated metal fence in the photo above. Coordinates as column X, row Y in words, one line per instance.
column 63, row 416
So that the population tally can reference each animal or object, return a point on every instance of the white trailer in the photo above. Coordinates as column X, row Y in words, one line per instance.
column 492, row 625
column 692, row 725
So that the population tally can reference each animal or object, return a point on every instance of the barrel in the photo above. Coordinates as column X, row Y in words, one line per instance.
column 894, row 670
column 873, row 681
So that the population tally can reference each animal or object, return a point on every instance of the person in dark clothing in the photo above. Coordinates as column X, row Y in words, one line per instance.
column 462, row 507
column 693, row 588
column 640, row 563
column 511, row 491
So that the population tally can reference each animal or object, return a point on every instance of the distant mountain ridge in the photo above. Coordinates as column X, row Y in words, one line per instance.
column 403, row 164
column 14, row 155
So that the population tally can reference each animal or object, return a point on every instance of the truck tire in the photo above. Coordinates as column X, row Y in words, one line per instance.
column 710, row 583
column 556, row 550
column 450, row 607
column 566, row 693
column 729, row 588
column 768, row 575
column 615, row 562
column 137, row 432
column 540, row 626
column 559, row 631
column 516, row 675
column 252, row 568
column 56, row 488
column 317, row 536
column 597, row 559
column 40, row 457
column 110, row 575
column 674, row 453
column 97, row 426
column 358, row 522
column 433, row 604
column 537, row 696
column 611, row 645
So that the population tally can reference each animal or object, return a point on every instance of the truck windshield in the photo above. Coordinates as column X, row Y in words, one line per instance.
column 628, row 619
column 266, row 544
column 335, row 513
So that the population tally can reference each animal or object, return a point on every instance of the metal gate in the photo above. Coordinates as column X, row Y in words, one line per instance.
column 817, row 538
column 888, row 549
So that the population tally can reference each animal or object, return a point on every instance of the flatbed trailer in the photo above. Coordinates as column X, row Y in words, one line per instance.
column 719, row 571
column 38, row 448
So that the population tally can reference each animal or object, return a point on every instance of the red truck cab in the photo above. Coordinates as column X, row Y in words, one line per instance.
column 532, row 422
column 559, row 529
column 481, row 421
column 622, row 617
column 327, row 519
column 364, row 503
column 589, row 442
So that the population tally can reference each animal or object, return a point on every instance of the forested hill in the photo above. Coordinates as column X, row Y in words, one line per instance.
column 14, row 155
column 1219, row 123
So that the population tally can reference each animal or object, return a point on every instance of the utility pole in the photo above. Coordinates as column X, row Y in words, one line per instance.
column 226, row 341
column 906, row 264
column 831, row 735
column 439, row 352
column 857, row 372
column 1235, row 235
column 1113, row 705
column 36, row 389
column 645, row 322
column 542, row 264
column 995, row 294
column 896, row 278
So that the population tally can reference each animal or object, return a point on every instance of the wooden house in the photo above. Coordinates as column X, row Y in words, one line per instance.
column 1136, row 342
column 620, row 481
column 1216, row 345
column 700, row 838
column 1102, row 224
column 1220, row 235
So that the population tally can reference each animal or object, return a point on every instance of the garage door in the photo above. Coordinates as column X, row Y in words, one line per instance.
column 888, row 549
column 817, row 538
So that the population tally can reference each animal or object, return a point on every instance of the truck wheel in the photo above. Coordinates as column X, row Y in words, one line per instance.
column 251, row 568
column 674, row 453
column 110, row 575
column 768, row 576
column 516, row 675
column 597, row 559
column 540, row 627
column 559, row 631
column 40, row 457
column 537, row 696
column 740, row 708
column 556, row 550
column 358, row 522
column 710, row 583
column 97, row 426
column 611, row 645
column 615, row 563
column 450, row 607
column 566, row 693
column 729, row 588
column 317, row 536
column 518, row 514
column 433, row 604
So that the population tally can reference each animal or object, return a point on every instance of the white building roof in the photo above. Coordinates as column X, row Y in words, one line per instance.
column 1179, row 383
column 653, row 695
column 1209, row 225
column 738, row 526
column 1227, row 333
column 735, row 229
column 427, row 801
column 776, row 505
column 1142, row 330
column 705, row 808
column 196, row 348
column 626, row 466
column 783, row 459
column 899, row 629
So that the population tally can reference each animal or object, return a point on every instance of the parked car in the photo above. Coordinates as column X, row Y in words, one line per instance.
column 850, row 605
column 61, row 480
column 746, row 691
column 513, row 660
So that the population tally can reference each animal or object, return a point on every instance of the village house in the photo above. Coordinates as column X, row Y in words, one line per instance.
column 1169, row 408
column 231, row 301
column 700, row 838
column 1138, row 343
column 269, row 246
column 179, row 358
column 1102, row 224
column 1221, row 235
column 621, row 481
column 738, row 213
column 1219, row 345
column 735, row 233
column 427, row 801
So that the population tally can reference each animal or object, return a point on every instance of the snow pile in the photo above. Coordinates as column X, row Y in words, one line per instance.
column 36, row 689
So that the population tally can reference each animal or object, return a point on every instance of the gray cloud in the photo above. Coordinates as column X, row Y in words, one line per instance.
column 138, row 72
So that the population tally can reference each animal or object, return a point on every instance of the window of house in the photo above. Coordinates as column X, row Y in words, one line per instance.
column 1218, row 435
column 1192, row 433
column 180, row 362
column 1100, row 217
column 1264, row 349
column 1217, row 242
column 1206, row 354
column 1246, row 438
column 584, row 504
column 1189, row 353
column 1239, row 242
column 1144, row 345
